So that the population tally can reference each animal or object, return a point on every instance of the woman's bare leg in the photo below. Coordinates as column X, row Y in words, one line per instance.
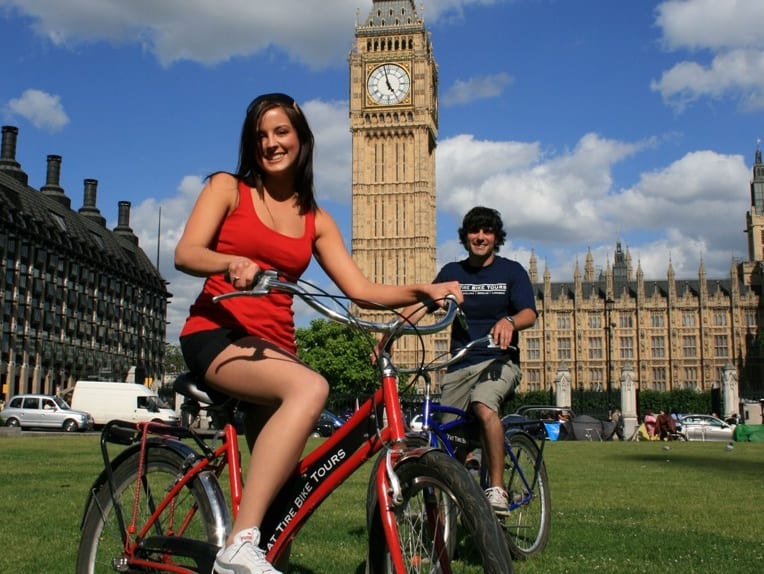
column 260, row 373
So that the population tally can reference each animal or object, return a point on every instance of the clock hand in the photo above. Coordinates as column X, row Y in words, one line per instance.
column 387, row 80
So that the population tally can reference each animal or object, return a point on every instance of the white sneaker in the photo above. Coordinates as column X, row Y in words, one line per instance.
column 498, row 499
column 244, row 556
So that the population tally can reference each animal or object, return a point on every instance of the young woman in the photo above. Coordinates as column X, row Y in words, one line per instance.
column 265, row 216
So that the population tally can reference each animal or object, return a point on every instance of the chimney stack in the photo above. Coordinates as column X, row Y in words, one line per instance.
column 8, row 163
column 123, row 223
column 52, row 188
column 89, row 208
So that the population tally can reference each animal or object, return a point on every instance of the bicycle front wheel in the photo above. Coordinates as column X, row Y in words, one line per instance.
column 188, row 519
column 444, row 522
column 528, row 521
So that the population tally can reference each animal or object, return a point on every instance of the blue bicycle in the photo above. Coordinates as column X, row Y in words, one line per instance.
column 527, row 522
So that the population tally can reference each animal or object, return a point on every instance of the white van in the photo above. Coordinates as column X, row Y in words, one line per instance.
column 109, row 400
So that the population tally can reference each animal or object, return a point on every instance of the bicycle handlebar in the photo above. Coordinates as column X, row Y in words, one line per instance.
column 270, row 280
column 436, row 365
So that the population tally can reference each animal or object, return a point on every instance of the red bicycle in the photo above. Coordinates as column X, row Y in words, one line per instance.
column 159, row 504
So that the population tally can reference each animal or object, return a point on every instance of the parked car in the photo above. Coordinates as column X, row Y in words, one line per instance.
column 545, row 412
column 44, row 411
column 705, row 427
column 327, row 424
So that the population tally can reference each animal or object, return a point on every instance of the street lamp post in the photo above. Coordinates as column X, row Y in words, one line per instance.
column 609, row 331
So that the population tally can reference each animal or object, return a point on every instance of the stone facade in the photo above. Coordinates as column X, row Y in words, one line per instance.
column 394, row 122
column 673, row 333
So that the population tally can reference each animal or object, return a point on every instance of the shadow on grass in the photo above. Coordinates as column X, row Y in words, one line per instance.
column 724, row 462
column 300, row 569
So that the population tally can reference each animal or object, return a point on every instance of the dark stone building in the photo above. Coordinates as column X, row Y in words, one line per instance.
column 79, row 300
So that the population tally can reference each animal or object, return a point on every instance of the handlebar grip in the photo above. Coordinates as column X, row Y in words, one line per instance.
column 263, row 282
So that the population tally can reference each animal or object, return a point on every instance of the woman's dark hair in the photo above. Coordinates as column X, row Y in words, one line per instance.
column 486, row 219
column 250, row 152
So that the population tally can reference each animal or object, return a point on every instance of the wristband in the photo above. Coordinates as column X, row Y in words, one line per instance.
column 510, row 319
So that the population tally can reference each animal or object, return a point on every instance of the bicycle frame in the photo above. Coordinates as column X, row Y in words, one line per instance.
column 458, row 430
column 315, row 477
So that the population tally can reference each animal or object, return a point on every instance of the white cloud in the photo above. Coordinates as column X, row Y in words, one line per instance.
column 41, row 109
column 329, row 122
column 317, row 34
column 730, row 31
column 711, row 24
column 688, row 210
column 144, row 219
column 545, row 199
column 477, row 88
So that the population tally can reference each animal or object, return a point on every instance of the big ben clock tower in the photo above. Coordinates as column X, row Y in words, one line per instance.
column 394, row 122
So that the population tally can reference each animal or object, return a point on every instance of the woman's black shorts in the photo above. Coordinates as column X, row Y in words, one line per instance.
column 200, row 349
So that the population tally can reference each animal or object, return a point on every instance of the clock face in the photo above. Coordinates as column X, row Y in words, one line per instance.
column 388, row 84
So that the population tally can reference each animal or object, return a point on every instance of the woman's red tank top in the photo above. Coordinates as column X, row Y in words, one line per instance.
column 271, row 316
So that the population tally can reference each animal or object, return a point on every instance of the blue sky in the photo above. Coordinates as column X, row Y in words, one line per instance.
column 585, row 122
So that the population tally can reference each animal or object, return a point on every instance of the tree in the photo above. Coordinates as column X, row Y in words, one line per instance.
column 173, row 359
column 340, row 353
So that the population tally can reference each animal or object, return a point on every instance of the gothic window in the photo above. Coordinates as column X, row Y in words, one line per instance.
column 688, row 319
column 720, row 346
column 533, row 349
column 691, row 378
column 658, row 347
column 595, row 321
column 563, row 321
column 657, row 320
column 533, row 378
column 659, row 378
column 596, row 378
column 625, row 321
column 595, row 348
column 689, row 346
column 720, row 318
column 627, row 348
column 564, row 352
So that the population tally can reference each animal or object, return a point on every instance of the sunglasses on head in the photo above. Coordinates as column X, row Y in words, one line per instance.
column 276, row 98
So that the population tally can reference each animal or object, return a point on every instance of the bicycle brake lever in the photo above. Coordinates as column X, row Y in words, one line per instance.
column 262, row 286
column 460, row 315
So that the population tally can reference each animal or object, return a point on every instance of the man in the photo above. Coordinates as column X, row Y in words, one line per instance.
column 498, row 299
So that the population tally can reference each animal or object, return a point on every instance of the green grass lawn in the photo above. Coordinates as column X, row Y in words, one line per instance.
column 616, row 507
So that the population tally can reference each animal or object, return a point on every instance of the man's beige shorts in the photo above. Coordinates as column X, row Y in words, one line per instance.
column 489, row 382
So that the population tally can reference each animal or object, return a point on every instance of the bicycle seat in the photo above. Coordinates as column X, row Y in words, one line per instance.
column 195, row 388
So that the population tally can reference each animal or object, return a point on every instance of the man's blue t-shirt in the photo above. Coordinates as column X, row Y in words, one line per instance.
column 490, row 293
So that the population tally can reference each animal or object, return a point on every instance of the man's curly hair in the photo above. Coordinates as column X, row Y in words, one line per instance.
column 483, row 218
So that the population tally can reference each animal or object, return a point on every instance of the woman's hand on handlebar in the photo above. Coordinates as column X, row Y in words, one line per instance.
column 439, row 291
column 242, row 273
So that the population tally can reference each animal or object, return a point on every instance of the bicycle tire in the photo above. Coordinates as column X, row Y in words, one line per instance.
column 527, row 526
column 436, row 487
column 101, row 545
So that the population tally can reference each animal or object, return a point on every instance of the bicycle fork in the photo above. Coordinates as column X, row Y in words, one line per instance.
column 392, row 501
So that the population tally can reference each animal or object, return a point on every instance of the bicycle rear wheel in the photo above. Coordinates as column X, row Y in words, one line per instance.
column 186, row 527
column 528, row 522
column 444, row 522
